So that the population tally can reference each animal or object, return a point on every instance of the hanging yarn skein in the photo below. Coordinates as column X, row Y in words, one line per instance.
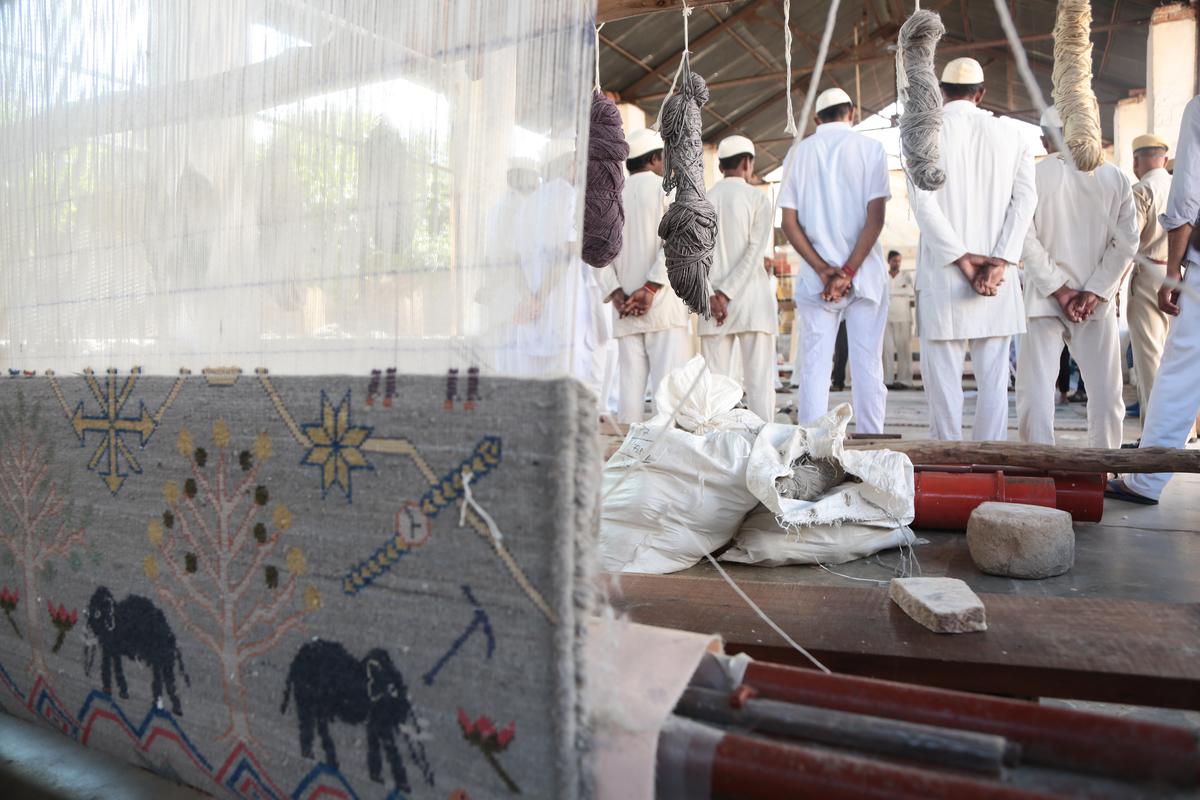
column 1072, row 76
column 922, row 98
column 603, row 210
column 689, row 228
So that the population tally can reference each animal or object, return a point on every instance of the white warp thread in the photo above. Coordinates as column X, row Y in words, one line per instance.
column 790, row 128
column 819, row 66
column 921, row 96
column 469, row 501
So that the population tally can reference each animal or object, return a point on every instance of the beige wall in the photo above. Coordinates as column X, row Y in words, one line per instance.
column 1170, row 69
column 1129, row 121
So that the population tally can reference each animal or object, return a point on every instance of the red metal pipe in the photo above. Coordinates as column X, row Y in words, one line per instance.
column 945, row 500
column 1059, row 737
column 1081, row 494
column 750, row 768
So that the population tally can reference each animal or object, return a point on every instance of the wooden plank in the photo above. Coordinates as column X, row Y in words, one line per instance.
column 1121, row 651
column 1044, row 457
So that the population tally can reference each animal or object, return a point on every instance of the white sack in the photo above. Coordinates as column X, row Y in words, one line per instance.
column 689, row 496
column 854, row 520
column 761, row 541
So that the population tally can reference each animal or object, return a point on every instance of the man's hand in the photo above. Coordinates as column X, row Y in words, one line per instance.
column 990, row 277
column 1084, row 305
column 1066, row 296
column 718, row 306
column 527, row 310
column 639, row 302
column 1168, row 298
column 619, row 299
column 975, row 268
column 837, row 285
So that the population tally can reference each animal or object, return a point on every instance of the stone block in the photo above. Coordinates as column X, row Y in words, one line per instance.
column 944, row 605
column 1020, row 541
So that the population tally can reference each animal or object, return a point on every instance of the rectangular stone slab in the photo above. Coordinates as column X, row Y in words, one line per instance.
column 944, row 605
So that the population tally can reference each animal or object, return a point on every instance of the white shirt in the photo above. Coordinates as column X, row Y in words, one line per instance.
column 828, row 179
column 1069, row 243
column 984, row 207
column 642, row 260
column 901, row 297
column 1183, row 204
column 545, row 233
column 745, row 228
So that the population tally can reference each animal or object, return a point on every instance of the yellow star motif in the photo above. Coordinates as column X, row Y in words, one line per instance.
column 336, row 445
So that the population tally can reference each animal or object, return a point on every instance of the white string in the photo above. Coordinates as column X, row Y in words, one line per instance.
column 683, row 59
column 597, row 85
column 470, row 502
column 787, row 65
column 1056, row 135
column 813, row 84
column 762, row 614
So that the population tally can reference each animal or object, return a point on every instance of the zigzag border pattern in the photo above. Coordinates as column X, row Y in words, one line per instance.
column 241, row 775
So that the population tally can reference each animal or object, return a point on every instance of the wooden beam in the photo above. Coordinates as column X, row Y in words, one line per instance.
column 1109, row 37
column 652, row 72
column 890, row 57
column 737, row 37
column 1093, row 648
column 608, row 10
column 1044, row 457
column 695, row 45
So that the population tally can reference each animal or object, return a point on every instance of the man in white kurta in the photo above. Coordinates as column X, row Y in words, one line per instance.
column 835, row 190
column 503, row 281
column 898, row 334
column 651, row 322
column 972, row 232
column 1073, row 271
column 1148, row 324
column 1175, row 400
column 744, row 314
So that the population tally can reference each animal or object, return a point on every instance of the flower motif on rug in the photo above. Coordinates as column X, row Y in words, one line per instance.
column 336, row 445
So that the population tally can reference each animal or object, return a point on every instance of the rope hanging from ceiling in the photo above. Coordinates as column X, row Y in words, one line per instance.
column 918, row 91
column 1072, row 76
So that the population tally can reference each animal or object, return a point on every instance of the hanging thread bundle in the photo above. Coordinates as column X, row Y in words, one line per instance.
column 603, row 211
column 922, row 98
column 1072, row 76
column 689, row 228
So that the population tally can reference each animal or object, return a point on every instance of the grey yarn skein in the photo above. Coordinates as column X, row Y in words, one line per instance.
column 921, row 121
column 689, row 228
column 603, row 207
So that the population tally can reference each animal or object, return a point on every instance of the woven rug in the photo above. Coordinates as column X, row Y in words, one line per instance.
column 273, row 588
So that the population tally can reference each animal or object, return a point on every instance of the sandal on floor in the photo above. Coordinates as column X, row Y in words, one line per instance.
column 1118, row 491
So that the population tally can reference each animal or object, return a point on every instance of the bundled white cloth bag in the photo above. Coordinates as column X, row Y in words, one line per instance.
column 850, row 521
column 680, row 489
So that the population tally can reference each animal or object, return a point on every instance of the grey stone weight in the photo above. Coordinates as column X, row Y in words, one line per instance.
column 1021, row 541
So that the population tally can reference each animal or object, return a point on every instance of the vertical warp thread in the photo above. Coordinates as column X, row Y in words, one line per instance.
column 689, row 228
column 922, row 118
column 1072, row 78
column 603, row 211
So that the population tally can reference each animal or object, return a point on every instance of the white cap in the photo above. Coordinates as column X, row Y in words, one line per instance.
column 734, row 146
column 964, row 71
column 1051, row 118
column 831, row 97
column 643, row 141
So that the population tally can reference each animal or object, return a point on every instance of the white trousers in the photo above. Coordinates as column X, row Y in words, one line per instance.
column 1175, row 400
column 898, row 352
column 942, row 374
column 648, row 357
column 758, row 366
column 816, row 327
column 1095, row 346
